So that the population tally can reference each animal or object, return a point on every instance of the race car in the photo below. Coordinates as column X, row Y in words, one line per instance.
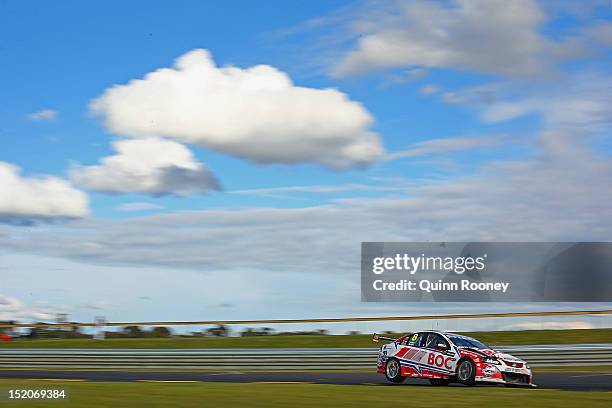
column 448, row 357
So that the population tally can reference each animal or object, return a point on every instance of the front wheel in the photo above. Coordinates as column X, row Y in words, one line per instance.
column 393, row 371
column 439, row 381
column 466, row 372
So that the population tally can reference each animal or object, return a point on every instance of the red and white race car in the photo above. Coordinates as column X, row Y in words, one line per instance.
column 447, row 357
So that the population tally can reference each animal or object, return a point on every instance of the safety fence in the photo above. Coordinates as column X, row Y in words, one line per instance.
column 317, row 320
column 269, row 359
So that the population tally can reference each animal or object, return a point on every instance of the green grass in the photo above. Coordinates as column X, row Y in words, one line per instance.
column 361, row 340
column 545, row 336
column 92, row 394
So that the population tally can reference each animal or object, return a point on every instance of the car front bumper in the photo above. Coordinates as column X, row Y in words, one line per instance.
column 506, row 375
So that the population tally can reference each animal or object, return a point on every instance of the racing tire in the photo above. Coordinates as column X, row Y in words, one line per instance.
column 466, row 372
column 393, row 371
column 439, row 381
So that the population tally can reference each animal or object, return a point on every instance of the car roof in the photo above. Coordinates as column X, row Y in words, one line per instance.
column 439, row 332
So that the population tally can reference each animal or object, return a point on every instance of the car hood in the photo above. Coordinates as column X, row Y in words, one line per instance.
column 505, row 356
column 495, row 353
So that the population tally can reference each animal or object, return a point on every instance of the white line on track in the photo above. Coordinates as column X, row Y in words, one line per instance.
column 282, row 382
column 590, row 375
column 226, row 373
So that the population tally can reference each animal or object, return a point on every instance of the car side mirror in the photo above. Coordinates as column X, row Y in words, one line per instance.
column 442, row 346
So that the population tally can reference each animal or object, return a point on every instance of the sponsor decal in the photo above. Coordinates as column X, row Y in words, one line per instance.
column 489, row 371
column 440, row 361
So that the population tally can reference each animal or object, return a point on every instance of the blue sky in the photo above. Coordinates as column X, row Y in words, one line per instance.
column 65, row 55
column 399, row 121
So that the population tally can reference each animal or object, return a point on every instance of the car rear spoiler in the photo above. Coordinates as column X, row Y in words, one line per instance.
column 378, row 337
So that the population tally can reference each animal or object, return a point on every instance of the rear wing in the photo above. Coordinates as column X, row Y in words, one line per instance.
column 377, row 337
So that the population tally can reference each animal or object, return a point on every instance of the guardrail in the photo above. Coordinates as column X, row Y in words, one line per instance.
column 318, row 320
column 268, row 359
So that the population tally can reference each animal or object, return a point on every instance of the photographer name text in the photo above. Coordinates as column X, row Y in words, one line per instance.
column 429, row 286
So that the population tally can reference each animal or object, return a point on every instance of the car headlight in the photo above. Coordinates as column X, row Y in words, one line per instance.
column 491, row 360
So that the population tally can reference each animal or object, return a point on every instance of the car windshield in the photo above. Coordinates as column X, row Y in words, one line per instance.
column 468, row 342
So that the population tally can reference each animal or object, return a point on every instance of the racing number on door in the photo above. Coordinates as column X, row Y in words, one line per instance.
column 439, row 361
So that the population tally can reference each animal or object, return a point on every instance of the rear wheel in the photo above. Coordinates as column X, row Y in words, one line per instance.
column 439, row 381
column 466, row 372
column 393, row 371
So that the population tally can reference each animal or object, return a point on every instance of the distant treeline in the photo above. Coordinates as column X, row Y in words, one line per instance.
column 154, row 332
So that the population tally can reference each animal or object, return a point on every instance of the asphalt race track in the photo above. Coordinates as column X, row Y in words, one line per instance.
column 576, row 381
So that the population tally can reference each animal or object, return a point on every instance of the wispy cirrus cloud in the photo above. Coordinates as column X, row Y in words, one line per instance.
column 583, row 103
column 138, row 206
column 320, row 189
column 447, row 145
column 429, row 89
column 410, row 75
column 43, row 115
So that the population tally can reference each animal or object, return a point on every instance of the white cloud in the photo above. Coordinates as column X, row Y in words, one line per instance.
column 563, row 194
column 23, row 199
column 491, row 36
column 44, row 114
column 254, row 113
column 138, row 207
column 151, row 166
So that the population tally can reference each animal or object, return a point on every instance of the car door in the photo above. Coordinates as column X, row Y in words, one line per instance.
column 438, row 356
